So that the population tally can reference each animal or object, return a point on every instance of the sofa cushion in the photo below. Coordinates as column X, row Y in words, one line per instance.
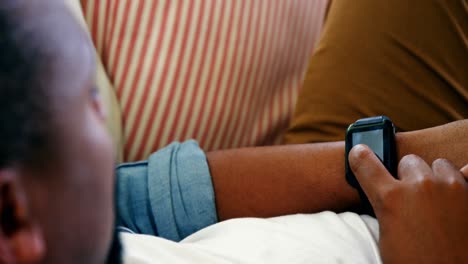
column 225, row 73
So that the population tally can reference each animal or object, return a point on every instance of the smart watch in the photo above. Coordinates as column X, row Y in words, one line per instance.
column 378, row 133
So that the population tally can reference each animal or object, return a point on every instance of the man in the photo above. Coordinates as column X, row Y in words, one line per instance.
column 56, row 174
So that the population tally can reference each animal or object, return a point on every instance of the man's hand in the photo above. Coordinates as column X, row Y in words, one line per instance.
column 423, row 215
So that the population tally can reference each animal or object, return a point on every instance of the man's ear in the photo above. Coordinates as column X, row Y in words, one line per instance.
column 20, row 238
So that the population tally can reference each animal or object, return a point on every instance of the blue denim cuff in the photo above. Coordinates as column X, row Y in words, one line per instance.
column 170, row 195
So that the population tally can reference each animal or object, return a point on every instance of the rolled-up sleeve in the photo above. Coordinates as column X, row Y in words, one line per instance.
column 169, row 195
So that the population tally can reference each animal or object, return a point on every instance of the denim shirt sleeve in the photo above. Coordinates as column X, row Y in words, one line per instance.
column 169, row 195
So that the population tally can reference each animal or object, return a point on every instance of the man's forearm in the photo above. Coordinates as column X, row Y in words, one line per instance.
column 271, row 181
column 278, row 180
column 448, row 141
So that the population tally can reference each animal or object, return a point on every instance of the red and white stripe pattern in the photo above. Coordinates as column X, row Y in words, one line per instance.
column 225, row 73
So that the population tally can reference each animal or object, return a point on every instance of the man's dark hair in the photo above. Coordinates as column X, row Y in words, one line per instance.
column 23, row 100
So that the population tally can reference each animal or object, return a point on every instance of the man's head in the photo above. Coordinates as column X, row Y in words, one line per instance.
column 56, row 159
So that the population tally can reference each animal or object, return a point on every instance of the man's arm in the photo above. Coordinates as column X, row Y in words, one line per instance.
column 271, row 181
column 448, row 141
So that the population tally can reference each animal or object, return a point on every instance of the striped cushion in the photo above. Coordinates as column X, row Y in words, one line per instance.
column 225, row 73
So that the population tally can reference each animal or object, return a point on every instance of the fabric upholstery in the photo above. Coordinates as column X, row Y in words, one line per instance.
column 226, row 73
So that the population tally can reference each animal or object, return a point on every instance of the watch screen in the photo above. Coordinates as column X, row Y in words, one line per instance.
column 371, row 138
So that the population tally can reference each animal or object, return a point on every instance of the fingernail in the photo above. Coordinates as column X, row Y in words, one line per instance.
column 464, row 170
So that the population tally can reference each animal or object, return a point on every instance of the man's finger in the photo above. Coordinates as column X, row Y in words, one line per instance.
column 412, row 167
column 370, row 172
column 445, row 171
column 464, row 171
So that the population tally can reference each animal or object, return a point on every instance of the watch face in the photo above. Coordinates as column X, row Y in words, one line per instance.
column 371, row 138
